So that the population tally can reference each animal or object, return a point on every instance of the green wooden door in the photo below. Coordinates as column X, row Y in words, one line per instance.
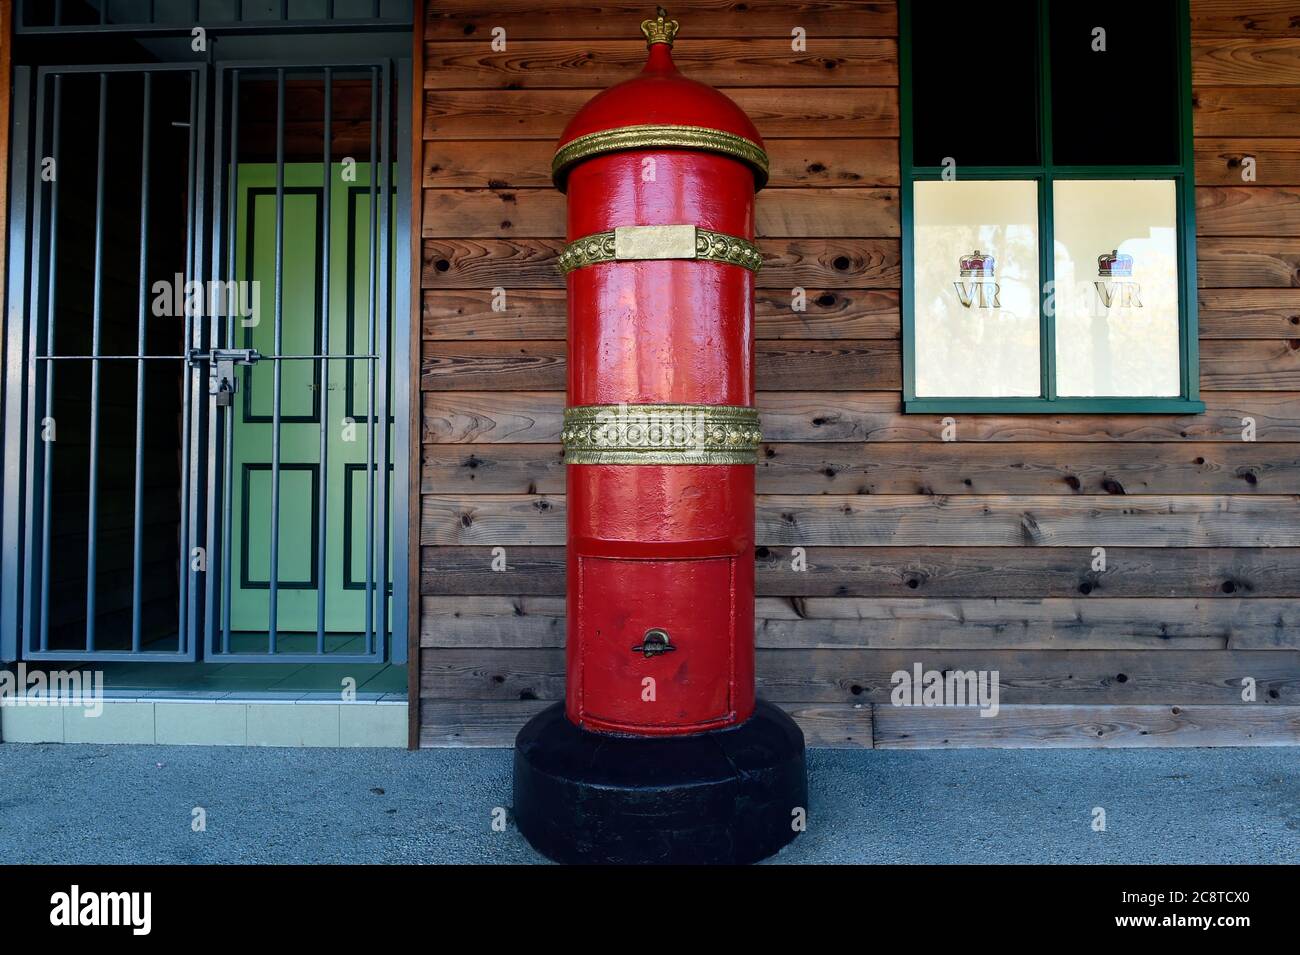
column 327, row 448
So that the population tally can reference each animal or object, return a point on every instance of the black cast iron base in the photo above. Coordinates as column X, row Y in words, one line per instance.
column 726, row 796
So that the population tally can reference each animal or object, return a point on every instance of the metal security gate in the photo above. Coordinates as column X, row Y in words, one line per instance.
column 200, row 452
column 302, row 446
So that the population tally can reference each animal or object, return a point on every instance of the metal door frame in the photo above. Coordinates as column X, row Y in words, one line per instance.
column 202, row 449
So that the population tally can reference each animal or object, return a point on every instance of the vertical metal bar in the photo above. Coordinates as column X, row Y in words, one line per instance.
column 92, row 515
column 370, row 370
column 228, row 479
column 137, row 541
column 36, row 451
column 16, row 371
column 399, row 358
column 212, row 578
column 50, row 345
column 190, row 375
column 274, row 581
column 381, row 407
column 327, row 188
column 198, row 391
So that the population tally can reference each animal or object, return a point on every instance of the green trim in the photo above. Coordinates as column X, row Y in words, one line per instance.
column 1045, row 173
column 246, row 581
column 1107, row 405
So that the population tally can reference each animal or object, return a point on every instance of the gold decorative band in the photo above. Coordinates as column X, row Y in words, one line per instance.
column 639, row 243
column 661, row 434
column 659, row 137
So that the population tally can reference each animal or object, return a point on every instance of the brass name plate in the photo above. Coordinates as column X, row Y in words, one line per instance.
column 640, row 242
column 654, row 242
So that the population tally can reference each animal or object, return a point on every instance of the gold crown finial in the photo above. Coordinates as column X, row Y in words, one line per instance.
column 661, row 30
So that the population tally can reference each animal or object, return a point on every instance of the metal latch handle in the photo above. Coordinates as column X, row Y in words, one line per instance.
column 221, row 370
column 655, row 642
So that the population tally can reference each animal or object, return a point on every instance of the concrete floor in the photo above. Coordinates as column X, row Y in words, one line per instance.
column 95, row 804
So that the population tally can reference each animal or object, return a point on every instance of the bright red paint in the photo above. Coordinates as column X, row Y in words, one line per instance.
column 660, row 546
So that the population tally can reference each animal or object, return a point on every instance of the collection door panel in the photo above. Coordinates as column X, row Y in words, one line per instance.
column 631, row 603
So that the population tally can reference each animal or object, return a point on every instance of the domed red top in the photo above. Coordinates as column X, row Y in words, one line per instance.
column 657, row 109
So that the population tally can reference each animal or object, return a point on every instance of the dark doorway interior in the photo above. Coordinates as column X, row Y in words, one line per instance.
column 131, row 396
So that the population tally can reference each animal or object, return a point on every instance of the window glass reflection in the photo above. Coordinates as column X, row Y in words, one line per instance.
column 976, row 289
column 1116, row 294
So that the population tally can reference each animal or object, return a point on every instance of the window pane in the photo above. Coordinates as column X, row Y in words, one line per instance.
column 976, row 292
column 1116, row 288
column 974, row 84
column 1117, row 105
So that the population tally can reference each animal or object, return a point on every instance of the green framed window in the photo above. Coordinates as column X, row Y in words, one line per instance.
column 1047, row 193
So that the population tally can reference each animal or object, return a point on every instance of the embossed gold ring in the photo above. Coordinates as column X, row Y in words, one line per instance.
column 661, row 434
column 659, row 137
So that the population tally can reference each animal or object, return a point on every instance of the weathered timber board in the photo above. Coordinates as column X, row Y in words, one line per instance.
column 472, row 20
column 1249, row 313
column 530, row 263
column 540, row 365
column 1245, row 17
column 919, row 468
column 1252, row 211
column 490, row 723
column 595, row 64
column 776, row 112
column 818, row 163
column 1086, row 727
column 914, row 521
column 881, row 623
column 531, row 416
column 1246, row 111
column 1219, row 161
column 860, row 726
column 529, row 314
column 1246, row 61
column 1206, row 572
column 1248, row 263
column 1175, row 677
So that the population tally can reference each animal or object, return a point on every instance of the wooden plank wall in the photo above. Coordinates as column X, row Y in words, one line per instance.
column 974, row 554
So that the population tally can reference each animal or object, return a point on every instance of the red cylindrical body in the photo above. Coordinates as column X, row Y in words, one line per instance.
column 667, row 546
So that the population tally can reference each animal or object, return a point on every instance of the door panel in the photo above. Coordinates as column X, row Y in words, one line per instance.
column 340, row 414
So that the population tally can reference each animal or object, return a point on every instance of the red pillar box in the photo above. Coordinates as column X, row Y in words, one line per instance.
column 660, row 752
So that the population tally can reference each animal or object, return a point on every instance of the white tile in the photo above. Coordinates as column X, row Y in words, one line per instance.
column 372, row 724
column 118, row 722
column 31, row 724
column 277, row 724
column 201, row 723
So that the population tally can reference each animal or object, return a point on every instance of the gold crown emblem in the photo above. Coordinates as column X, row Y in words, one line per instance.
column 661, row 30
